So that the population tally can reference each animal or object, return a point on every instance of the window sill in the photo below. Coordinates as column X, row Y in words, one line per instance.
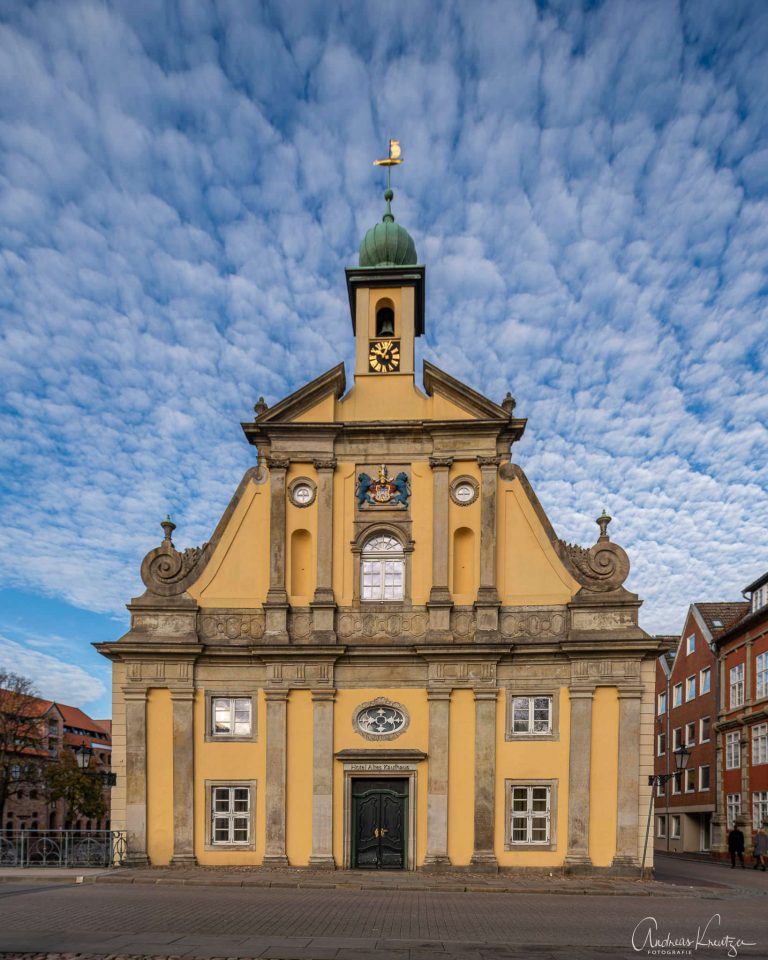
column 227, row 738
column 511, row 737
column 527, row 847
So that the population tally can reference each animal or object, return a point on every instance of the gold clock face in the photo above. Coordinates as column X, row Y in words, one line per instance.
column 384, row 356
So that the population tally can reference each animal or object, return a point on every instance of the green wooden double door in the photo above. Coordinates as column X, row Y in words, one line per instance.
column 379, row 824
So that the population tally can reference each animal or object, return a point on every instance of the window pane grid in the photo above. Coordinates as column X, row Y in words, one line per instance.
column 231, row 716
column 231, row 821
column 532, row 715
column 530, row 814
column 383, row 577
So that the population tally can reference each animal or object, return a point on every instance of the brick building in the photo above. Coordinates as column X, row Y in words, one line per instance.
column 686, row 710
column 742, row 724
column 61, row 727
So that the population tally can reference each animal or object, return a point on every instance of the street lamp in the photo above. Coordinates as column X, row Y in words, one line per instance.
column 682, row 756
column 83, row 754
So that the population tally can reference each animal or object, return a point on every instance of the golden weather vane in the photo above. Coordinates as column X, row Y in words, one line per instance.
column 392, row 160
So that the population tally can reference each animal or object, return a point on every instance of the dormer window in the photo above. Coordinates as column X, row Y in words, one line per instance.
column 385, row 321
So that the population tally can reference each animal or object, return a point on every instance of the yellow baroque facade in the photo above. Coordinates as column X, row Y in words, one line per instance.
column 384, row 658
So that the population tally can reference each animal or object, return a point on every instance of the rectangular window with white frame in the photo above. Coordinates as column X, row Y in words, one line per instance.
column 704, row 777
column 732, row 808
column 531, row 814
column 690, row 780
column 690, row 688
column 761, row 675
column 661, row 828
column 229, row 717
column 705, row 680
column 230, row 814
column 704, row 730
column 690, row 644
column 759, row 809
column 736, row 686
column 660, row 788
column 690, row 734
column 759, row 744
column 661, row 704
column 532, row 714
column 677, row 780
column 677, row 738
column 661, row 744
column 732, row 751
column 677, row 695
column 675, row 826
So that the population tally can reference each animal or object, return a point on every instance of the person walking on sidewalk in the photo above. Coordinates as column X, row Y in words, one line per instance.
column 736, row 846
column 761, row 848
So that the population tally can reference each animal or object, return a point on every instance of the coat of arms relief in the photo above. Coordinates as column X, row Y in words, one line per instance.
column 384, row 491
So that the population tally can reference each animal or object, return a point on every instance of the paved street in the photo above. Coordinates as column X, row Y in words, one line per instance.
column 305, row 924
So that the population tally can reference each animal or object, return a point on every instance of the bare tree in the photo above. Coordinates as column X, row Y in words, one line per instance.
column 21, row 736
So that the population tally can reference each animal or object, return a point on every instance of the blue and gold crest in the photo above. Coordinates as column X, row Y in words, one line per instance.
column 385, row 491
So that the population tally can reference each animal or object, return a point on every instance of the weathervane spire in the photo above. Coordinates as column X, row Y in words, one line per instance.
column 392, row 160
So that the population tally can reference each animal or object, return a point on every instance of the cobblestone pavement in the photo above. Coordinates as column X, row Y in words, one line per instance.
column 142, row 920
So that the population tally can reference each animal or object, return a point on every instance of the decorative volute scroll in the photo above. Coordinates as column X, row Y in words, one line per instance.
column 165, row 571
column 601, row 568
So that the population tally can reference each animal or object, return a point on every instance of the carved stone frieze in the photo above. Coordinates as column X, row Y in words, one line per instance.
column 462, row 673
column 159, row 672
column 300, row 673
column 226, row 625
column 616, row 671
column 535, row 622
column 411, row 624
column 602, row 619
column 463, row 624
column 300, row 624
column 164, row 624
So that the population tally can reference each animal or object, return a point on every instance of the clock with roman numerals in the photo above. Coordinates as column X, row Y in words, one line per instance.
column 384, row 356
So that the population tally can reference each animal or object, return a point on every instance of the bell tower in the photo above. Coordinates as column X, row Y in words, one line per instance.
column 386, row 295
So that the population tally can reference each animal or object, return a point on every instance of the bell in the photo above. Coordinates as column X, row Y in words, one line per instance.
column 385, row 322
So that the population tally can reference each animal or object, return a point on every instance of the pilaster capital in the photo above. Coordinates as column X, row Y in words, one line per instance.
column 581, row 693
column 488, row 462
column 483, row 693
column 182, row 694
column 276, row 695
column 440, row 463
column 135, row 694
column 277, row 462
column 441, row 694
column 323, row 465
column 630, row 693
column 326, row 695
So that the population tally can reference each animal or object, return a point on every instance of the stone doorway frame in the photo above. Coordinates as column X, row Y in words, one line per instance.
column 382, row 764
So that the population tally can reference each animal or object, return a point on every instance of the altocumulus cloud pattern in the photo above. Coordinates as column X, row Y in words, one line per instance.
column 183, row 182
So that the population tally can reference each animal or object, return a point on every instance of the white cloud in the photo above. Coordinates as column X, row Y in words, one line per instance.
column 53, row 679
column 179, row 198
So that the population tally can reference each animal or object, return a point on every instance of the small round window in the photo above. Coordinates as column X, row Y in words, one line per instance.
column 380, row 720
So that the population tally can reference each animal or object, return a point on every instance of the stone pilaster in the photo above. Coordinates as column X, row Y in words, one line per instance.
column 719, row 818
column 183, row 702
column 440, row 602
column 484, row 856
column 323, row 604
column 276, row 605
column 487, row 603
column 748, row 674
column 745, row 804
column 579, row 765
column 136, row 775
column 630, row 699
column 322, row 779
column 437, row 781
column 277, row 744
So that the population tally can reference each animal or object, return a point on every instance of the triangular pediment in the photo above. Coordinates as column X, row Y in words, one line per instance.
column 332, row 383
column 439, row 383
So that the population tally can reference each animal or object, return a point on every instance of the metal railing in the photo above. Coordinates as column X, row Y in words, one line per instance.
column 62, row 848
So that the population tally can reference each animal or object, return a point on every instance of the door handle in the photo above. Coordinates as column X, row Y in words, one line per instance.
column 380, row 832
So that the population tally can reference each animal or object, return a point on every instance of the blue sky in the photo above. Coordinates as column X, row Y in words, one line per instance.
column 181, row 185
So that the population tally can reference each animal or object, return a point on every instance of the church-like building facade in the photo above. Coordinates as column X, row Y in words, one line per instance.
column 384, row 657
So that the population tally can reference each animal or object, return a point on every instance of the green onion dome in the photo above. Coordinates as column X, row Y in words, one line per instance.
column 387, row 244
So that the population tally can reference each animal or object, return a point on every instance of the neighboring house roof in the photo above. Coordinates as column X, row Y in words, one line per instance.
column 78, row 726
column 756, row 583
column 719, row 617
